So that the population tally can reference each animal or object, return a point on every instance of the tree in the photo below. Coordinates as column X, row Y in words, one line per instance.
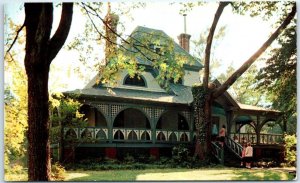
column 245, row 90
column 203, row 116
column 65, row 112
column 278, row 77
column 15, row 106
column 40, row 51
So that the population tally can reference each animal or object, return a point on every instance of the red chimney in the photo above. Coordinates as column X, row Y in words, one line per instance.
column 184, row 41
column 184, row 38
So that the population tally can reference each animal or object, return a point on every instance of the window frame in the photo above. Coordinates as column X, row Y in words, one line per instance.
column 128, row 77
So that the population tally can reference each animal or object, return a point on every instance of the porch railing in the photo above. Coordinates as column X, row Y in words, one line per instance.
column 218, row 152
column 252, row 137
column 235, row 147
column 271, row 138
column 127, row 134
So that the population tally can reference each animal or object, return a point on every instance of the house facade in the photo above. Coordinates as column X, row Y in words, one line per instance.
column 139, row 116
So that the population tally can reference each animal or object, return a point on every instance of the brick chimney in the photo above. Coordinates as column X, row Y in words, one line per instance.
column 184, row 38
column 111, row 20
column 184, row 41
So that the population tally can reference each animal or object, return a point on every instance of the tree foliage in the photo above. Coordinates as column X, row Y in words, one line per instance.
column 65, row 112
column 290, row 149
column 245, row 90
column 278, row 77
column 15, row 124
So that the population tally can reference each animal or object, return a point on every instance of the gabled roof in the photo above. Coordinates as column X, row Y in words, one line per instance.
column 243, row 107
column 146, row 36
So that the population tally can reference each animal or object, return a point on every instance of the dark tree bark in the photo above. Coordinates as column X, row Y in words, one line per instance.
column 210, row 36
column 40, row 51
column 201, row 148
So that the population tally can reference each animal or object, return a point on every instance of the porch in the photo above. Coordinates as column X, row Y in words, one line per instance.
column 101, row 135
column 105, row 136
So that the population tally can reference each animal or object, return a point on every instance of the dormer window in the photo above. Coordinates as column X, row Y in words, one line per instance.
column 155, row 48
column 135, row 81
column 179, row 81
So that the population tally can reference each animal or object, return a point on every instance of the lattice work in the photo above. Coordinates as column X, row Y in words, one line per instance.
column 148, row 111
column 115, row 109
column 187, row 115
column 157, row 113
column 104, row 108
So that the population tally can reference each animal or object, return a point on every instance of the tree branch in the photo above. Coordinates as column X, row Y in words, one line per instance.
column 84, row 5
column 61, row 34
column 99, row 32
column 250, row 61
column 16, row 37
column 218, row 14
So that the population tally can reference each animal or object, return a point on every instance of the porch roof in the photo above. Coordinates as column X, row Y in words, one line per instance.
column 255, row 108
column 182, row 94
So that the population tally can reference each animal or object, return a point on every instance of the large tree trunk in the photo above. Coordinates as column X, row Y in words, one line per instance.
column 37, row 69
column 202, row 147
column 40, row 51
column 38, row 128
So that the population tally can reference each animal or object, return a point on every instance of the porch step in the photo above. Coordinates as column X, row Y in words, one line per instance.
column 230, row 159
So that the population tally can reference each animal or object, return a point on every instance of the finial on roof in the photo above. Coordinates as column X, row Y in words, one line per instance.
column 184, row 20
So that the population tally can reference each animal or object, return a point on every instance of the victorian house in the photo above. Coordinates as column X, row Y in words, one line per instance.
column 140, row 117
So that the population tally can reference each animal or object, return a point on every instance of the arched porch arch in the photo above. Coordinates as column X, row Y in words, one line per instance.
column 94, row 116
column 172, row 120
column 131, row 118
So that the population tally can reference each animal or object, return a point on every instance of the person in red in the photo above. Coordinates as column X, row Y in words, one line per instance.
column 243, row 154
column 222, row 133
column 248, row 155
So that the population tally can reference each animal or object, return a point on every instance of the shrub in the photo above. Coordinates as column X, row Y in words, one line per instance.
column 290, row 149
column 129, row 159
column 58, row 172
column 180, row 154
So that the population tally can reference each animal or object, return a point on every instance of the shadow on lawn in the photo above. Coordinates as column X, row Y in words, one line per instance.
column 262, row 175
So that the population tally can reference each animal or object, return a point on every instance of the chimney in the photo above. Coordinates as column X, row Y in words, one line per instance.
column 111, row 20
column 184, row 38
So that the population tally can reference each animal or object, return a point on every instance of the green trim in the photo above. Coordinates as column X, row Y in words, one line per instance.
column 132, row 145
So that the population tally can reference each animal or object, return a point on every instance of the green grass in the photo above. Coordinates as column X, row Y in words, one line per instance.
column 170, row 174
column 179, row 174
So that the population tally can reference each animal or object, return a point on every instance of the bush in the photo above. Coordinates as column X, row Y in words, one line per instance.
column 58, row 172
column 180, row 154
column 290, row 142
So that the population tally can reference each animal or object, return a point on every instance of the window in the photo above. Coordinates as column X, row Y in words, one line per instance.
column 179, row 81
column 135, row 81
column 155, row 48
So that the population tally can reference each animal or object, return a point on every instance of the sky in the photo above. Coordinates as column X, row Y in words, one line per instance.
column 243, row 35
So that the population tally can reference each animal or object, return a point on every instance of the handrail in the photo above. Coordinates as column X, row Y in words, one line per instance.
column 235, row 147
column 218, row 152
column 264, row 138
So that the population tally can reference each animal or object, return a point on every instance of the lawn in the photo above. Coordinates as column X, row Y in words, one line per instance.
column 179, row 174
column 217, row 174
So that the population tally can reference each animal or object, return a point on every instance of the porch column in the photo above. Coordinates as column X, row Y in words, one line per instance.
column 192, row 127
column 257, row 130
column 229, row 120
column 110, row 124
column 153, row 126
